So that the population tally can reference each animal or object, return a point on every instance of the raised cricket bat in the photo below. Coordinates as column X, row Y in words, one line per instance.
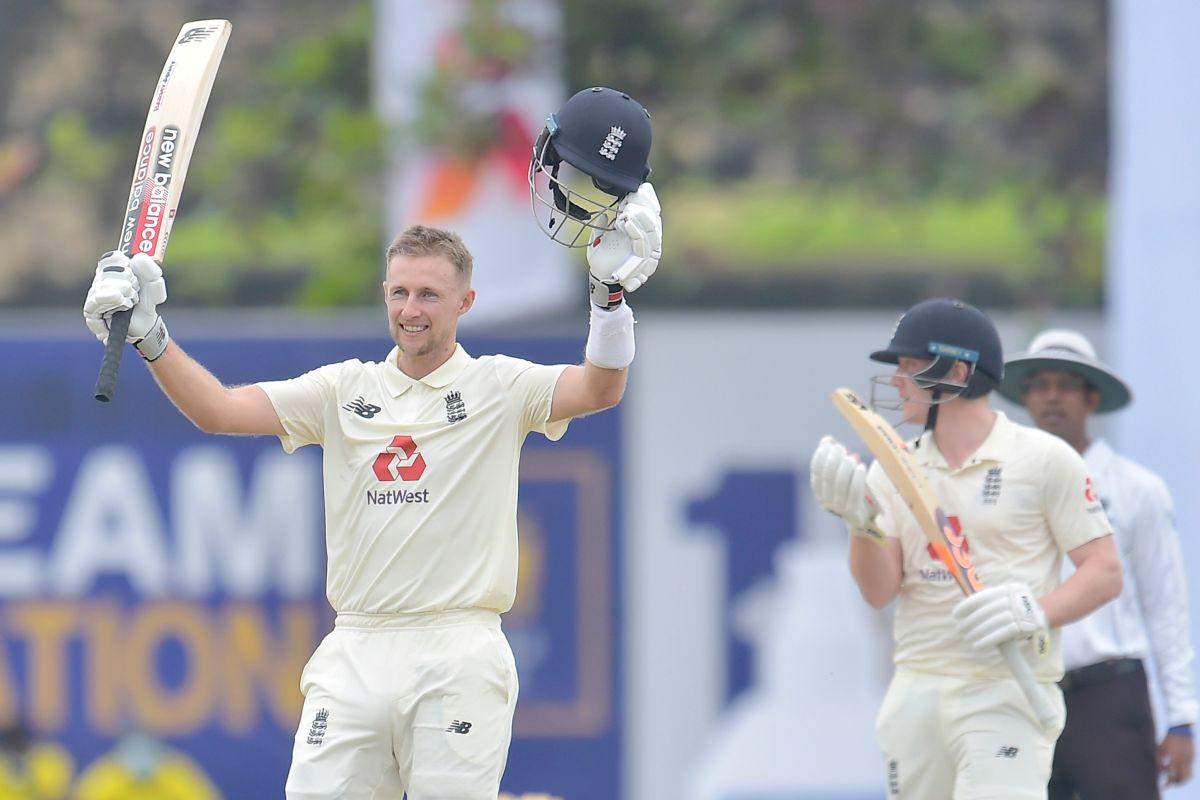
column 176, row 109
column 905, row 474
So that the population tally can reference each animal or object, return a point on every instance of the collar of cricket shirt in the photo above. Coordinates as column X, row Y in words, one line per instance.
column 997, row 447
column 399, row 383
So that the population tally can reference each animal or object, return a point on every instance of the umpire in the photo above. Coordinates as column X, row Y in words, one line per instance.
column 1108, row 747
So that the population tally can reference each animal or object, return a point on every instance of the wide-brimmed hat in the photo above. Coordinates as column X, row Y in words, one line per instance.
column 1068, row 351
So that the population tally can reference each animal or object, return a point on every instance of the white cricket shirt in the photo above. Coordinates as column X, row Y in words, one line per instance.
column 1023, row 499
column 1150, row 618
column 420, row 476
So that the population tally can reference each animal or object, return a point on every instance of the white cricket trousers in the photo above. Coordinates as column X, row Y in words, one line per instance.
column 948, row 738
column 419, row 703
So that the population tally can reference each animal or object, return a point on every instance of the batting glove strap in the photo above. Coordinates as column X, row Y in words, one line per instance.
column 605, row 295
column 154, row 343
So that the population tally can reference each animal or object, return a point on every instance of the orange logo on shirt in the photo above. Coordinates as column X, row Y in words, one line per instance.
column 1089, row 491
column 401, row 461
column 955, row 535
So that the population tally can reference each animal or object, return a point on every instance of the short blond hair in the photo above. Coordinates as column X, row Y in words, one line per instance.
column 423, row 240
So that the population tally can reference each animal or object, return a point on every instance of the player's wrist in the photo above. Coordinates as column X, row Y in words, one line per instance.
column 868, row 531
column 1181, row 730
column 154, row 343
column 604, row 294
column 610, row 342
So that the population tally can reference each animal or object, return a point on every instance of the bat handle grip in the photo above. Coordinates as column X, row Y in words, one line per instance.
column 106, row 383
column 1034, row 693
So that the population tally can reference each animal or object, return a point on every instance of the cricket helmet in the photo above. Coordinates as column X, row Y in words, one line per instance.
column 948, row 331
column 599, row 135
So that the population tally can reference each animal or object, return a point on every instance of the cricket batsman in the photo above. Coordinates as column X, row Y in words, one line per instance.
column 414, row 689
column 954, row 722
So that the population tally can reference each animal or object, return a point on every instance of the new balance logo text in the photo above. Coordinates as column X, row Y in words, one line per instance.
column 362, row 408
column 456, row 409
column 459, row 727
column 1007, row 752
column 316, row 733
column 612, row 143
column 991, row 486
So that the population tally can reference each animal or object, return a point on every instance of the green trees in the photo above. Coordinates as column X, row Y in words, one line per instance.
column 807, row 151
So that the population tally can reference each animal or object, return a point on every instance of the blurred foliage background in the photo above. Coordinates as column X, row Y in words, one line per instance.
column 808, row 152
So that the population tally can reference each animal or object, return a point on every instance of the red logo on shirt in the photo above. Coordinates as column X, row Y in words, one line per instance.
column 400, row 461
column 1089, row 491
column 955, row 534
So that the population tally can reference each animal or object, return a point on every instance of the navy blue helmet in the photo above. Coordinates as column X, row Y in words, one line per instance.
column 604, row 136
column 948, row 331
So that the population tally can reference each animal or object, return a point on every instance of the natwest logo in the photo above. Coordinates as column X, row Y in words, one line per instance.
column 400, row 461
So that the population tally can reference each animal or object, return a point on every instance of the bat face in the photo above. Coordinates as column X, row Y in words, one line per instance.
column 150, row 209
column 176, row 108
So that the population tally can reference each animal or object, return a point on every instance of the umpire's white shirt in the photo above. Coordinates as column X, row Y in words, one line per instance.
column 420, row 476
column 1150, row 618
column 1022, row 500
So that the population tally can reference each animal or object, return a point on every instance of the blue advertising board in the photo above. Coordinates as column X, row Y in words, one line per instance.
column 158, row 580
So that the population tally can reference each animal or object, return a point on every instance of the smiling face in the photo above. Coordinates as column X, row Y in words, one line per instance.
column 425, row 296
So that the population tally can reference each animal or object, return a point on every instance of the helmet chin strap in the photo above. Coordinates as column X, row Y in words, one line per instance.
column 934, row 402
column 931, row 378
column 562, row 202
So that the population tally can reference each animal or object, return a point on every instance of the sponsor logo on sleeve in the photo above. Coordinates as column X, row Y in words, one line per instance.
column 320, row 723
column 1094, row 503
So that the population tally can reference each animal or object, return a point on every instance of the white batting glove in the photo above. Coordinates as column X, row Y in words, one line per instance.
column 839, row 480
column 629, row 254
column 997, row 614
column 122, row 283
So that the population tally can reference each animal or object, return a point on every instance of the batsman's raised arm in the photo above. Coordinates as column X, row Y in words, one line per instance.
column 210, row 405
column 122, row 283
column 619, row 260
